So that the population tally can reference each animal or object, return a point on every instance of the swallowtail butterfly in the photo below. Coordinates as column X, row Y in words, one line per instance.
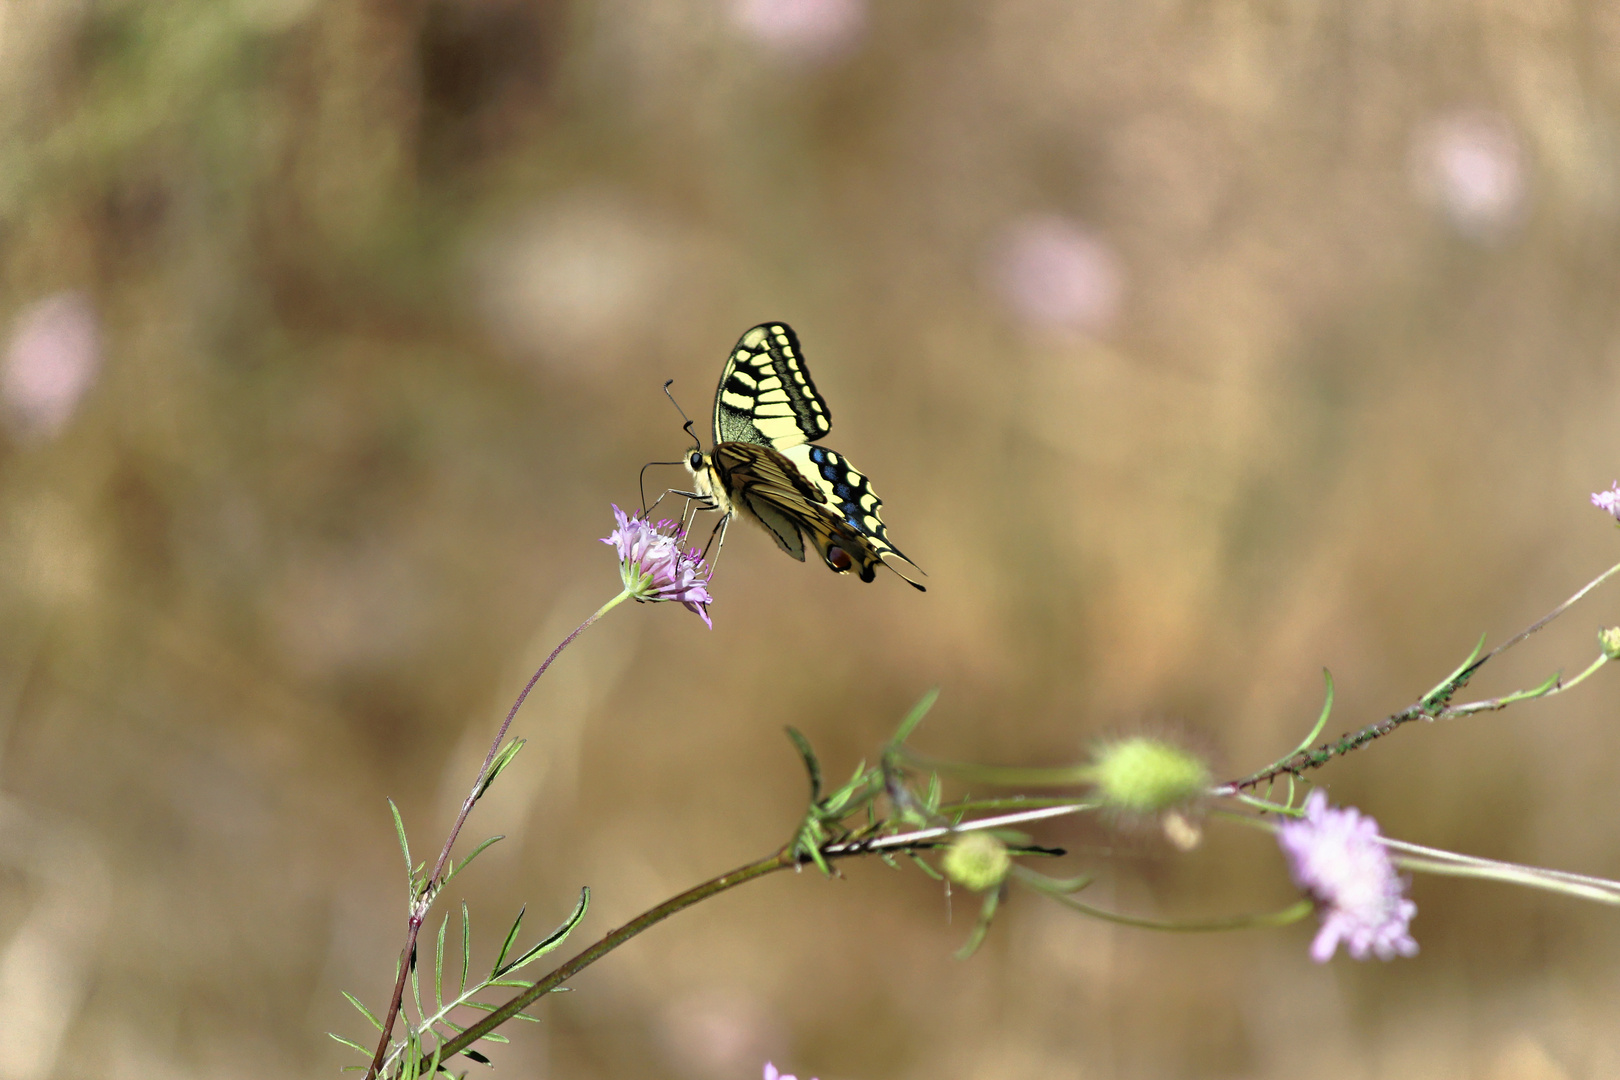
column 765, row 466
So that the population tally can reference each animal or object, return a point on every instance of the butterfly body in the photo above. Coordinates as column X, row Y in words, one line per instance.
column 765, row 467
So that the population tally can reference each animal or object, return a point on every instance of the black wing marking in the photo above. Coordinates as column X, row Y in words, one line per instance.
column 765, row 396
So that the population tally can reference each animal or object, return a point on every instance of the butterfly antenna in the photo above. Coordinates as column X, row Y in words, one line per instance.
column 697, row 443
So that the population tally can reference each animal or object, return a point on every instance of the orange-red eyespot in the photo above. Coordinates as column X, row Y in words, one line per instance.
column 839, row 559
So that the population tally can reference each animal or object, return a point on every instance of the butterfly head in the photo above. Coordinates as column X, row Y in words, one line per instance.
column 704, row 481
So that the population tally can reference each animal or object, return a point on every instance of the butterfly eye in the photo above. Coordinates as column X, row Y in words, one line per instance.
column 694, row 460
column 839, row 559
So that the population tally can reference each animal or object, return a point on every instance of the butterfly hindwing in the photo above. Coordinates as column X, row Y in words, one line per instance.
column 765, row 394
column 848, row 495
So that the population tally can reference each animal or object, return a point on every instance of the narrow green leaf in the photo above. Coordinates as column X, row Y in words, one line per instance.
column 416, row 990
column 1060, row 886
column 1453, row 682
column 556, row 937
column 936, row 792
column 350, row 1044
column 914, row 717
column 438, row 967
column 365, row 1012
column 479, row 850
column 466, row 948
column 506, row 946
column 476, row 1056
column 924, row 867
column 485, row 1006
column 411, row 1066
column 1321, row 721
column 811, row 765
column 502, row 760
column 404, row 845
column 992, row 900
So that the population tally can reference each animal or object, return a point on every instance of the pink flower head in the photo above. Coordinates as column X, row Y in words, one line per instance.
column 653, row 566
column 1608, row 501
column 1335, row 856
column 772, row 1074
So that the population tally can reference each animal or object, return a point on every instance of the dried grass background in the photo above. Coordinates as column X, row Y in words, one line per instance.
column 1193, row 347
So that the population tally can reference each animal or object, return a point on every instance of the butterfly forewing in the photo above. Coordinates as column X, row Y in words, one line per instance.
column 765, row 394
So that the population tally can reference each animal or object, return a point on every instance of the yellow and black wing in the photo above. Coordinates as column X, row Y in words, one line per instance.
column 767, row 413
column 765, row 396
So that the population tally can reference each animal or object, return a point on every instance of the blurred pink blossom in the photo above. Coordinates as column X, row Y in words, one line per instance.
column 771, row 1073
column 811, row 29
column 1335, row 854
column 1057, row 274
column 51, row 361
column 1471, row 163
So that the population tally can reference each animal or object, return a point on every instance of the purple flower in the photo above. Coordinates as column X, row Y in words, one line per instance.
column 772, row 1074
column 654, row 567
column 1335, row 856
column 1608, row 501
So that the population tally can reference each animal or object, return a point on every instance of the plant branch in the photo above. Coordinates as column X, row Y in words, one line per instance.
column 781, row 860
column 1435, row 705
column 429, row 889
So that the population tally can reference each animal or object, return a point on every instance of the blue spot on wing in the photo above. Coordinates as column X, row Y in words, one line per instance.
column 843, row 491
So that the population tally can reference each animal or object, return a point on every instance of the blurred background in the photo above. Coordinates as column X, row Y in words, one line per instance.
column 1193, row 347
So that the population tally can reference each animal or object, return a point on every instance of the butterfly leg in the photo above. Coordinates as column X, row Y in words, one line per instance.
column 720, row 531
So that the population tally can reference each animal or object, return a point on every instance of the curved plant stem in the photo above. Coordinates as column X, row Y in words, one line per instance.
column 424, row 897
column 781, row 860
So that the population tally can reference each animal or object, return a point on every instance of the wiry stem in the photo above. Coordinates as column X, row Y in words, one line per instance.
column 425, row 895
column 1434, row 706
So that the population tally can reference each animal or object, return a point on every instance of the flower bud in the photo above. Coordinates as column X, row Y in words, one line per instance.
column 1609, row 642
column 1147, row 776
column 977, row 861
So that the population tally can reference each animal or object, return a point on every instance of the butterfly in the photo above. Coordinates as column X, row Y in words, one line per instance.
column 765, row 466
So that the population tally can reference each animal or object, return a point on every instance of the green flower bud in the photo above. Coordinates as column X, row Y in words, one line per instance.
column 977, row 861
column 1146, row 776
column 1609, row 642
